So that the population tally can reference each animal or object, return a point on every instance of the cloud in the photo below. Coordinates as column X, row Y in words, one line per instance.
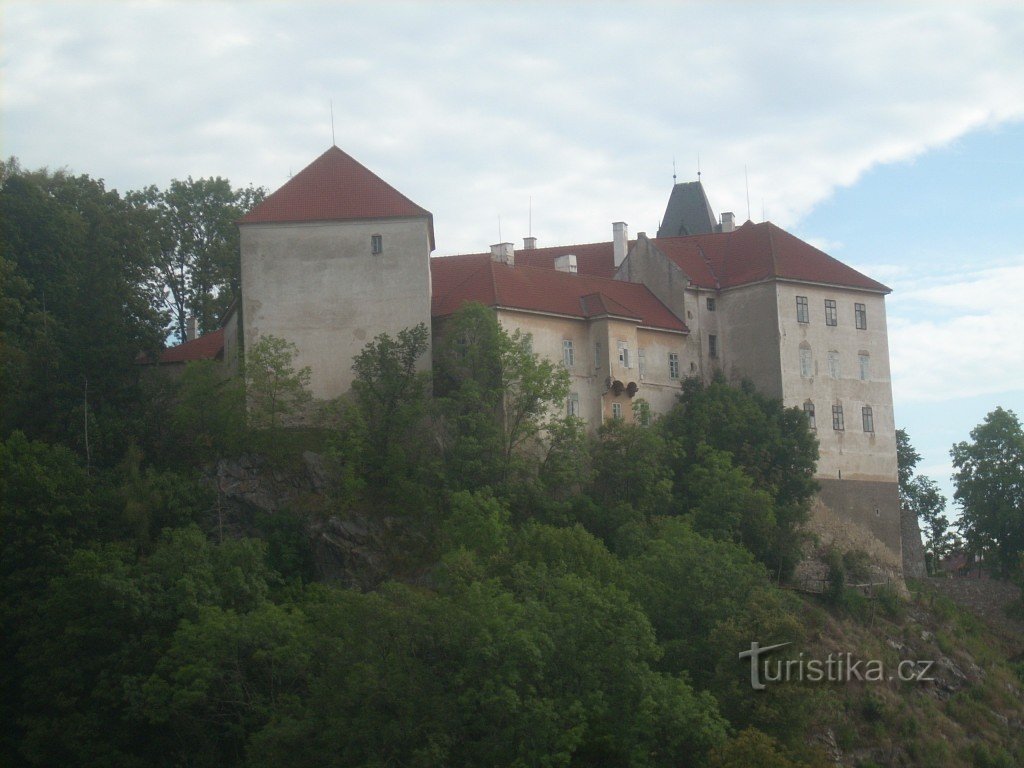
column 958, row 336
column 472, row 110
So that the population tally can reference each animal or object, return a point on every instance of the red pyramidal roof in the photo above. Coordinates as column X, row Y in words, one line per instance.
column 335, row 187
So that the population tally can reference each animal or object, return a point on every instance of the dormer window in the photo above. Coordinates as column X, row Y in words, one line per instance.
column 376, row 244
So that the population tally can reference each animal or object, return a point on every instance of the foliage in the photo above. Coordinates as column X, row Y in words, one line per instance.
column 208, row 415
column 383, row 431
column 496, row 397
column 772, row 445
column 194, row 241
column 78, row 305
column 989, row 482
column 920, row 494
column 274, row 389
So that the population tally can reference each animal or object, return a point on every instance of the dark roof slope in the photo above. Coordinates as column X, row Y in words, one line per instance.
column 688, row 212
column 476, row 277
column 335, row 187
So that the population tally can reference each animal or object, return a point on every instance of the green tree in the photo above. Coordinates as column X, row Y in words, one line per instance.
column 989, row 482
column 387, row 437
column 771, row 444
column 195, row 244
column 496, row 397
column 925, row 501
column 208, row 415
column 906, row 461
column 77, row 306
column 275, row 391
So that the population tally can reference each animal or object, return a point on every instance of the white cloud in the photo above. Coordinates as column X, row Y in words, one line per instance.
column 958, row 336
column 471, row 110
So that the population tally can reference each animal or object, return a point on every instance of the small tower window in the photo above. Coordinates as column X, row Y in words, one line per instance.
column 376, row 244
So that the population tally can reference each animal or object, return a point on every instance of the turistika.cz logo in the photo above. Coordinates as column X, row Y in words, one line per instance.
column 835, row 668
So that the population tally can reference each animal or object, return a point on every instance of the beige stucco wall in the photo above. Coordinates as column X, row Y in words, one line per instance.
column 850, row 454
column 596, row 360
column 319, row 286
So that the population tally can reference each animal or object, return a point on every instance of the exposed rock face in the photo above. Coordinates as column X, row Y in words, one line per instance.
column 347, row 549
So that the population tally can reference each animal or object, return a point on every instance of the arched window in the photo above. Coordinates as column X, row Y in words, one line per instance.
column 833, row 365
column 806, row 361
column 864, row 360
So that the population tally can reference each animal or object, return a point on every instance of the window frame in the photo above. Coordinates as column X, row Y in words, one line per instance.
column 711, row 304
column 812, row 422
column 831, row 313
column 834, row 363
column 864, row 365
column 568, row 353
column 376, row 245
column 617, row 411
column 624, row 360
column 573, row 404
column 713, row 346
column 867, row 417
column 673, row 365
column 803, row 310
column 838, row 422
column 860, row 316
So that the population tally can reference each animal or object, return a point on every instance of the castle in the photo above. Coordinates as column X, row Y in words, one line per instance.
column 337, row 256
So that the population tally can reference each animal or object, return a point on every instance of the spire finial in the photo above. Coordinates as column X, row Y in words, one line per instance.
column 333, row 142
column 698, row 166
column 673, row 170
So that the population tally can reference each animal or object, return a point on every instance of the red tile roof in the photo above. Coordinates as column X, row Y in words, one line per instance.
column 755, row 252
column 750, row 253
column 595, row 259
column 335, row 187
column 476, row 277
column 209, row 346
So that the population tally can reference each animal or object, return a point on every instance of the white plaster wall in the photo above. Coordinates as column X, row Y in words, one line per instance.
column 319, row 286
column 856, row 454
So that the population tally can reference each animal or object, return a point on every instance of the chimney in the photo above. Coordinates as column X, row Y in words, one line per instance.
column 566, row 263
column 620, row 241
column 529, row 243
column 191, row 328
column 503, row 253
column 728, row 222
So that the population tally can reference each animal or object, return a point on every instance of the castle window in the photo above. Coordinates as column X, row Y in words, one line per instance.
column 803, row 315
column 568, row 353
column 831, row 316
column 624, row 355
column 376, row 244
column 809, row 413
column 712, row 345
column 573, row 407
column 833, row 365
column 860, row 315
column 806, row 362
column 673, row 365
column 837, row 418
column 711, row 304
column 868, row 418
column 865, row 365
column 616, row 411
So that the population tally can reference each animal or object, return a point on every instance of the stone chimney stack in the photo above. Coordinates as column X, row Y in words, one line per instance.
column 728, row 222
column 620, row 241
column 191, row 328
column 503, row 253
column 529, row 243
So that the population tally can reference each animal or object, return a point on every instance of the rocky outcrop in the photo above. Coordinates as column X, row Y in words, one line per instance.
column 347, row 547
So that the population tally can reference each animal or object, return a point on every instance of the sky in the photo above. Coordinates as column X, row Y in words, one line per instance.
column 889, row 134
